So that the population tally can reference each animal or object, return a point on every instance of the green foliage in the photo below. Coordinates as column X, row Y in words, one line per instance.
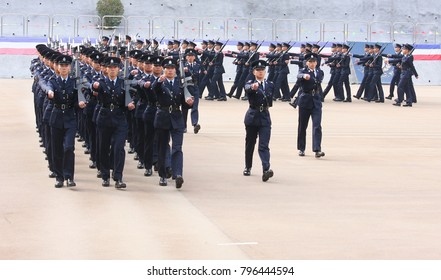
column 110, row 8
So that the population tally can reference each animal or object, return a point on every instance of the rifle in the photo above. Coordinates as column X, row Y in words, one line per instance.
column 78, row 81
column 184, row 80
column 251, row 56
column 346, row 54
column 127, row 96
column 320, row 50
column 111, row 38
column 377, row 55
column 157, row 46
column 287, row 50
column 411, row 52
column 215, row 56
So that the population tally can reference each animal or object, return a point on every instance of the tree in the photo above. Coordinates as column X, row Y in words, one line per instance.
column 110, row 8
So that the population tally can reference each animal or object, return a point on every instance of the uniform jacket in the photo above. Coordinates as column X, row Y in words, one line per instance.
column 65, row 96
column 310, row 97
column 260, row 100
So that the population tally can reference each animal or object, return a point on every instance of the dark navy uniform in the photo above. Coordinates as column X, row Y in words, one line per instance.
column 375, row 87
column 192, row 77
column 282, row 77
column 63, row 122
column 112, row 126
column 405, row 84
column 217, row 88
column 169, row 122
column 258, row 121
column 239, row 68
column 310, row 106
column 364, row 60
column 345, row 71
column 394, row 61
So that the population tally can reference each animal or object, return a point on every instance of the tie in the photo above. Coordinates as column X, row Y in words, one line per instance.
column 171, row 83
column 64, row 81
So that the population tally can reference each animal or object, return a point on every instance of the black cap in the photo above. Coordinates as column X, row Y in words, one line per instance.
column 398, row 46
column 155, row 42
column 185, row 42
column 303, row 46
column 285, row 45
column 247, row 44
column 193, row 44
column 240, row 44
column 102, row 60
column 211, row 42
column 170, row 43
column 408, row 47
column 140, row 41
column 271, row 45
column 279, row 45
column 147, row 42
column 218, row 43
column 105, row 38
column 113, row 61
column 116, row 38
column 334, row 45
column 128, row 38
column 54, row 56
column 204, row 42
column 133, row 53
column 167, row 63
column 253, row 43
column 344, row 46
column 371, row 46
column 96, row 57
column 190, row 52
column 146, row 58
column 308, row 45
column 176, row 42
column 259, row 64
column 157, row 60
column 339, row 45
column 316, row 46
column 311, row 56
column 377, row 46
column 366, row 46
column 64, row 59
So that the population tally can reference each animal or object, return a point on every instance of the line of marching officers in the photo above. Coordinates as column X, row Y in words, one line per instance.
column 101, row 104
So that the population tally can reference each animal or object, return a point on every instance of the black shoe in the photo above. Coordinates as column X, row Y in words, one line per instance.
column 140, row 165
column 301, row 153
column 40, row 140
column 179, row 182
column 155, row 167
column 105, row 183
column 163, row 181
column 98, row 174
column 396, row 100
column 379, row 101
column 292, row 105
column 119, row 184
column 136, row 157
column 41, row 145
column 84, row 145
column 319, row 154
column 337, row 100
column 244, row 98
column 70, row 183
column 347, row 100
column 230, row 95
column 267, row 174
column 222, row 99
column 131, row 151
column 80, row 139
column 209, row 98
column 355, row 96
column 169, row 172
column 407, row 105
column 196, row 128
column 148, row 172
column 237, row 97
column 396, row 104
column 247, row 172
column 87, row 151
column 58, row 184
column 52, row 175
column 286, row 100
column 389, row 97
column 92, row 165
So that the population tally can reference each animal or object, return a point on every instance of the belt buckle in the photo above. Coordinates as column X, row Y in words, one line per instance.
column 63, row 106
column 170, row 109
column 261, row 108
column 112, row 107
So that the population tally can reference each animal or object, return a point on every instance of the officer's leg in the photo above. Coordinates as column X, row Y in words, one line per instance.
column 329, row 86
column 362, row 86
column 220, row 82
column 304, row 115
column 69, row 154
column 195, row 109
column 379, row 87
column 119, row 136
column 285, row 88
column 264, row 151
column 316, row 117
column 141, row 140
column 57, row 152
column 105, row 136
column 348, row 88
column 149, row 132
column 412, row 90
column 48, row 146
column 177, row 136
column 163, row 140
column 250, row 143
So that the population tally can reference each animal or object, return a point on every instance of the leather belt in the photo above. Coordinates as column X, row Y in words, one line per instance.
column 170, row 108
column 261, row 108
column 111, row 106
column 313, row 92
column 63, row 106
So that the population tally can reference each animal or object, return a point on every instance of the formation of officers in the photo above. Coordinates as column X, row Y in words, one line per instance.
column 119, row 91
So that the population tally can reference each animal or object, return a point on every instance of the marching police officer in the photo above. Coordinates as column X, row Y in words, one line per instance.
column 169, row 121
column 397, row 70
column 112, row 122
column 258, row 120
column 310, row 106
column 192, row 69
column 405, row 84
column 63, row 122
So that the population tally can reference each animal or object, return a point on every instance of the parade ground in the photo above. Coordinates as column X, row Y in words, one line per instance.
column 375, row 195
